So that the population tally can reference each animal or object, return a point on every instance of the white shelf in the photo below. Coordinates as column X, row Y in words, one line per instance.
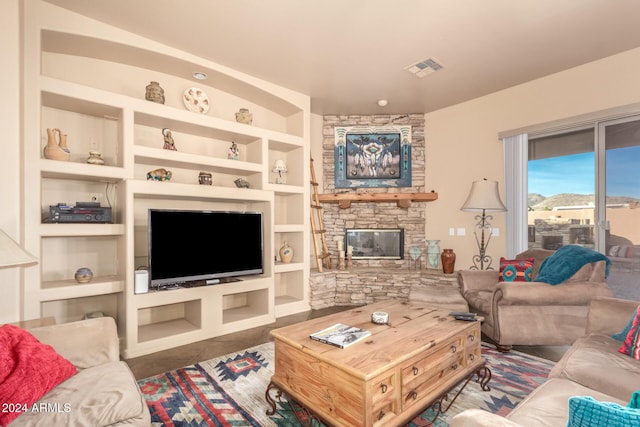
column 75, row 230
column 105, row 112
column 177, row 159
column 62, row 289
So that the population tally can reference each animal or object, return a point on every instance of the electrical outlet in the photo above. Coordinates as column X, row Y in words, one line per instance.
column 495, row 231
column 461, row 231
column 452, row 231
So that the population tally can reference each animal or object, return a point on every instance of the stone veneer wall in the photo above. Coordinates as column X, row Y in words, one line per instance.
column 376, row 215
column 373, row 280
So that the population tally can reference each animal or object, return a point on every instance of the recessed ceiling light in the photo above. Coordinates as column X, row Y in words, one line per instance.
column 382, row 102
column 200, row 75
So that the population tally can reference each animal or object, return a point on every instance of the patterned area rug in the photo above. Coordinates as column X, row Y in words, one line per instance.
column 230, row 391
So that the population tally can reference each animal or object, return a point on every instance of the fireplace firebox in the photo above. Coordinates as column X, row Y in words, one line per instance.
column 375, row 243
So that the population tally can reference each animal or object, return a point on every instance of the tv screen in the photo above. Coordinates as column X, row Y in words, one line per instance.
column 189, row 245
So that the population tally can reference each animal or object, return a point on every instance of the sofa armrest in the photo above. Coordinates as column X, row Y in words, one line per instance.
column 608, row 316
column 85, row 343
column 480, row 418
column 538, row 293
column 477, row 280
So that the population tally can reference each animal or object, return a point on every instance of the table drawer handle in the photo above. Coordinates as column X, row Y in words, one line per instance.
column 415, row 370
column 380, row 415
column 413, row 394
column 472, row 338
column 453, row 349
column 454, row 366
column 472, row 357
column 383, row 387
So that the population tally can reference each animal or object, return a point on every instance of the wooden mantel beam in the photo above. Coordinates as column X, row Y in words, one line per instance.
column 403, row 200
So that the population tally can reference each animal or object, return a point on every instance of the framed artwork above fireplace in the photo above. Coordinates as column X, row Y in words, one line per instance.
column 372, row 156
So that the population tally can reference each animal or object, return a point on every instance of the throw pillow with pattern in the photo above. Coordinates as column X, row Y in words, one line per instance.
column 516, row 270
column 631, row 344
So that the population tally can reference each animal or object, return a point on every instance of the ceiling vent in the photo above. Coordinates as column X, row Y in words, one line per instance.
column 424, row 68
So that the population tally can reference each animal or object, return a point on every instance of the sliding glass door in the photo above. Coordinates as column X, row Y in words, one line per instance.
column 584, row 188
column 562, row 186
column 619, row 151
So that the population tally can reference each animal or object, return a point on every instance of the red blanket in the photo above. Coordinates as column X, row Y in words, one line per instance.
column 28, row 371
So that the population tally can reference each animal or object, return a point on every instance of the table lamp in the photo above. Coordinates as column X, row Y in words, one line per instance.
column 483, row 197
column 280, row 167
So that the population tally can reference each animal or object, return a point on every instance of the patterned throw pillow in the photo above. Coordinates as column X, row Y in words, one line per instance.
column 516, row 270
column 631, row 344
column 585, row 411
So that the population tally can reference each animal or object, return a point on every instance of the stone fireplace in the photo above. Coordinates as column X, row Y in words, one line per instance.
column 376, row 215
column 374, row 278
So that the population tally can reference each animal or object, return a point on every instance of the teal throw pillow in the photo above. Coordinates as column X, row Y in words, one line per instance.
column 585, row 411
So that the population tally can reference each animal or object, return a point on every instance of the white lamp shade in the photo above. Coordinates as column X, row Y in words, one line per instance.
column 484, row 195
column 279, row 166
column 11, row 254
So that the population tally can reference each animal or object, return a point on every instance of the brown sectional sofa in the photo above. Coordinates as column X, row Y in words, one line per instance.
column 591, row 367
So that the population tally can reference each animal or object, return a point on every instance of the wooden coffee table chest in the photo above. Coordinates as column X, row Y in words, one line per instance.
column 386, row 379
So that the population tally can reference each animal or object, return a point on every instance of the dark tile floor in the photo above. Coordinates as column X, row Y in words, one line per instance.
column 178, row 357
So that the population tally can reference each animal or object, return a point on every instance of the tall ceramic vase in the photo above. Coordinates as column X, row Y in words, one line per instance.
column 433, row 253
column 286, row 253
column 448, row 261
column 56, row 149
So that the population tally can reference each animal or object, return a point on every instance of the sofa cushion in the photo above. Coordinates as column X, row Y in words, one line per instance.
column 29, row 369
column 585, row 411
column 593, row 361
column 102, row 395
column 548, row 405
column 631, row 344
column 516, row 270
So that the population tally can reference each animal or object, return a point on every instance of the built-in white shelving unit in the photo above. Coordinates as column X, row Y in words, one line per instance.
column 88, row 79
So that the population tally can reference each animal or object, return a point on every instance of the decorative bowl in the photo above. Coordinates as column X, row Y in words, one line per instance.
column 84, row 275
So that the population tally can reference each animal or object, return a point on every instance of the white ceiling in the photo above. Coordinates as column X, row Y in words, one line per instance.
column 347, row 54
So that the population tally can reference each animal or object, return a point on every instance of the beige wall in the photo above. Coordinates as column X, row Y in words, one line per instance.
column 462, row 142
column 10, row 200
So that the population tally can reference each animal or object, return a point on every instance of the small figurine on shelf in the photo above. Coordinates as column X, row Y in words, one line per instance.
column 241, row 183
column 169, row 144
column 95, row 158
column 159, row 175
column 234, row 151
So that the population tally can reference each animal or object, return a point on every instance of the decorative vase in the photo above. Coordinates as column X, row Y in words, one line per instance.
column 286, row 253
column 154, row 93
column 83, row 275
column 244, row 116
column 56, row 149
column 433, row 252
column 205, row 178
column 448, row 261
column 95, row 158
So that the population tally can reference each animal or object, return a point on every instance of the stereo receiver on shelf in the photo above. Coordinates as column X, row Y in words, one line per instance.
column 82, row 212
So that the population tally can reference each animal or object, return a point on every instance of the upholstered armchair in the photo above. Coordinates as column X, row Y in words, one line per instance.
column 533, row 313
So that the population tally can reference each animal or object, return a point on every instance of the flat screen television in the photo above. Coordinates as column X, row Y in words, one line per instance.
column 192, row 245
